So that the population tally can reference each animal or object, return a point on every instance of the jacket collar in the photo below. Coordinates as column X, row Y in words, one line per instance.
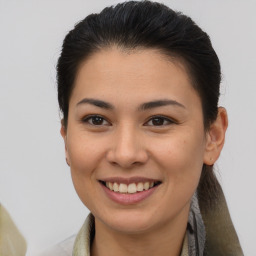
column 194, row 240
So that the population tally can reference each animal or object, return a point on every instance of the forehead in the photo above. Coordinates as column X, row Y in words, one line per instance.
column 139, row 63
column 136, row 74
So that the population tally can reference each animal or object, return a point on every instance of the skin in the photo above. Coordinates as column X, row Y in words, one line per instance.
column 126, row 142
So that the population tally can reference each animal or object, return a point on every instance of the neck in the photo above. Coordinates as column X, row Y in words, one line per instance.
column 164, row 240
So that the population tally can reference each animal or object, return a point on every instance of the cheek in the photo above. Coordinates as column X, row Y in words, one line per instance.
column 182, row 159
column 84, row 153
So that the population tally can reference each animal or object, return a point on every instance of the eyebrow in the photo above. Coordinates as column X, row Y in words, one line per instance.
column 159, row 103
column 144, row 106
column 95, row 102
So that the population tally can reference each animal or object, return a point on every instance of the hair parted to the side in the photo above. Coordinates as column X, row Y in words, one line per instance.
column 150, row 25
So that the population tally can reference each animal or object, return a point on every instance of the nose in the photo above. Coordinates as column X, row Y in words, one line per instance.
column 127, row 148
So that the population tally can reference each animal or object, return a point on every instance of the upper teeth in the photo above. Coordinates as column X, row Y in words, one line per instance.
column 130, row 188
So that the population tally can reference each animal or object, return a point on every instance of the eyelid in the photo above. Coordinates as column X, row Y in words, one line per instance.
column 88, row 117
column 165, row 118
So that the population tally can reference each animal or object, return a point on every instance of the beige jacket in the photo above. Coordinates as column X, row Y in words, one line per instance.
column 80, row 245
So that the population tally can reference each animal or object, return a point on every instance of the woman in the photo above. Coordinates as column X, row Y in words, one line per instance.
column 138, row 86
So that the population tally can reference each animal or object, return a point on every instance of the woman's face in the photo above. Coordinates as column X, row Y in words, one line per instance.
column 134, row 122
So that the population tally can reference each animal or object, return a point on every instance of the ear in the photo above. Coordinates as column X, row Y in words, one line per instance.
column 215, row 137
column 63, row 132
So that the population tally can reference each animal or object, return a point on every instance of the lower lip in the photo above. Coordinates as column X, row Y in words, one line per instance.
column 127, row 199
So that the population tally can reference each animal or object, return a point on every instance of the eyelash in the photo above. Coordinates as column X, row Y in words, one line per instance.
column 90, row 117
column 159, row 117
column 164, row 119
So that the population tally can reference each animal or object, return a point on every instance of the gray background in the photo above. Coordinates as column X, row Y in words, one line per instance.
column 35, row 183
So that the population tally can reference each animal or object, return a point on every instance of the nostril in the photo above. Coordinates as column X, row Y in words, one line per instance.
column 113, row 163
column 126, row 159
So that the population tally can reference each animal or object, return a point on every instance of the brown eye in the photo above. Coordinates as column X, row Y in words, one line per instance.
column 159, row 121
column 96, row 120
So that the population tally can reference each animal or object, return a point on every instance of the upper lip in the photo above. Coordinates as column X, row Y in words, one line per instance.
column 129, row 180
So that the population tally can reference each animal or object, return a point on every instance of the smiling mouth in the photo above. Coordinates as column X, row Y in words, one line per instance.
column 130, row 188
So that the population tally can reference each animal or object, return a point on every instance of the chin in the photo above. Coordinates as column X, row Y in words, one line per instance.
column 131, row 227
column 130, row 221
